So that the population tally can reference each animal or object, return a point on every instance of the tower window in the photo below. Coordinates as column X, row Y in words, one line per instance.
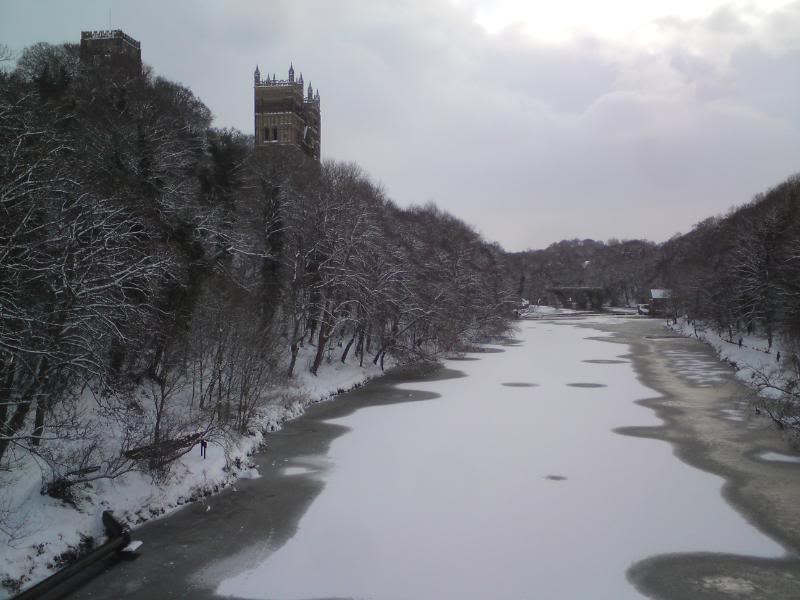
column 275, row 133
column 266, row 134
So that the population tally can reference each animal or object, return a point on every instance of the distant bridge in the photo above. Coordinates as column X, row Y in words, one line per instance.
column 579, row 296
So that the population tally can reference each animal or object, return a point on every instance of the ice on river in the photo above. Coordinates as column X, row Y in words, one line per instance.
column 497, row 491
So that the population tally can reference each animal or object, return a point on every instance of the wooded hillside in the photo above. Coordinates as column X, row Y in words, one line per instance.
column 158, row 276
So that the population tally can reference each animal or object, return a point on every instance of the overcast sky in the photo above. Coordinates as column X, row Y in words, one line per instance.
column 533, row 121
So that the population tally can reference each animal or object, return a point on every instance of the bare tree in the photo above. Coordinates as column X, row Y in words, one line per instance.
column 6, row 56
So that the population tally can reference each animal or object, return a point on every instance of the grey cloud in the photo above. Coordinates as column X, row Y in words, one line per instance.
column 531, row 143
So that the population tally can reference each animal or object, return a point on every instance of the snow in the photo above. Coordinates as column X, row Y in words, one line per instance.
column 296, row 471
column 250, row 473
column 623, row 310
column 48, row 527
column 778, row 457
column 133, row 546
column 701, row 371
column 660, row 294
column 731, row 586
column 542, row 311
column 548, row 310
column 733, row 414
column 494, row 491
column 753, row 356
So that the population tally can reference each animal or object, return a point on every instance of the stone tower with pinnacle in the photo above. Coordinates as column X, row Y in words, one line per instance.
column 285, row 114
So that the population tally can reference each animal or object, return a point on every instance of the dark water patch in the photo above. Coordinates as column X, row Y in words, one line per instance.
column 521, row 384
column 587, row 385
column 414, row 373
column 555, row 477
column 708, row 576
column 640, row 431
column 598, row 338
column 604, row 361
column 486, row 349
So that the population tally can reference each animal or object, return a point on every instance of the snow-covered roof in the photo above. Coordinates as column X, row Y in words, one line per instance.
column 660, row 294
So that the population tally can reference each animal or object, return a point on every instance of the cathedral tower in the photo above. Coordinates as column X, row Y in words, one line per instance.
column 284, row 115
column 111, row 49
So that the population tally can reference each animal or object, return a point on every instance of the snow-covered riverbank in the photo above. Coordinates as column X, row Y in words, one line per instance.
column 42, row 529
column 515, row 467
column 752, row 357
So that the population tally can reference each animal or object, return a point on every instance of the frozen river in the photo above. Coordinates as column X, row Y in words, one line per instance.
column 510, row 484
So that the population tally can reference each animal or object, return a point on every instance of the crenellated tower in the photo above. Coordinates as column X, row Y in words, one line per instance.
column 285, row 115
column 112, row 50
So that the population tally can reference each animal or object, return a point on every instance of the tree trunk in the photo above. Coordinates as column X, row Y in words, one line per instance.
column 23, row 406
column 294, row 349
column 17, row 420
column 219, row 393
column 347, row 348
column 311, row 330
column 38, row 424
column 360, row 348
column 5, row 396
column 324, row 333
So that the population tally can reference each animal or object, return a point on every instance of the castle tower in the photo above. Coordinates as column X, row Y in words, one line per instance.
column 284, row 116
column 111, row 49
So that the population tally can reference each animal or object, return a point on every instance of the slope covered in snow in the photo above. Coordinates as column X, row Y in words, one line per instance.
column 45, row 532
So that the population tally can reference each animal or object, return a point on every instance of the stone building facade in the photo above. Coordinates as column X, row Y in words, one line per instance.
column 285, row 114
column 112, row 49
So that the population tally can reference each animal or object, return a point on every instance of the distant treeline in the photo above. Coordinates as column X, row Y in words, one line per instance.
column 623, row 269
column 170, row 273
column 738, row 273
column 741, row 272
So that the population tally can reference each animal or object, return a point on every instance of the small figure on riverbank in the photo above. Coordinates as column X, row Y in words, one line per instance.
column 740, row 342
column 203, row 447
column 778, row 357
